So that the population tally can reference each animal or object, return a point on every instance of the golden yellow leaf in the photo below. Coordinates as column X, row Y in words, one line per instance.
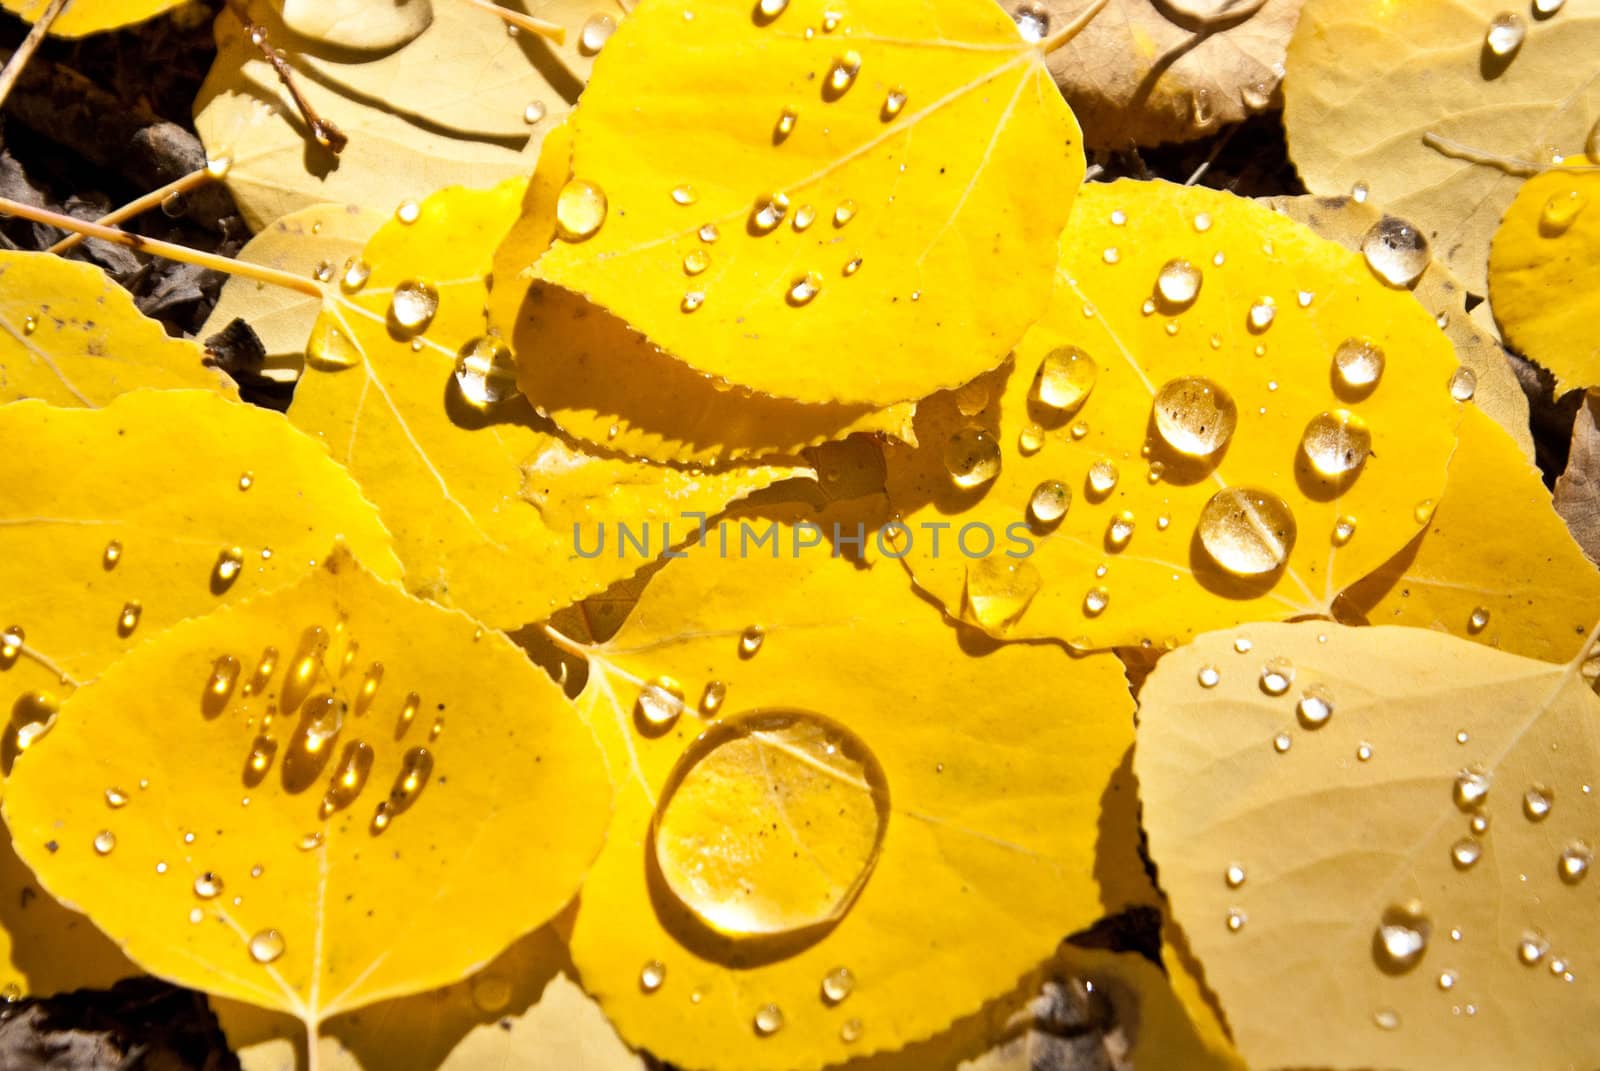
column 70, row 336
column 1496, row 564
column 821, row 806
column 1577, row 490
column 83, row 17
column 487, row 504
column 452, row 106
column 1148, row 71
column 372, row 797
column 1495, row 388
column 520, row 1013
column 1174, row 439
column 44, row 947
column 119, row 522
column 926, row 142
column 313, row 242
column 1410, row 822
column 1544, row 272
column 602, row 382
column 1408, row 104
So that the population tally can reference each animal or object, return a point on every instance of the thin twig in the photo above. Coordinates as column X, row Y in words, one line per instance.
column 1211, row 157
column 138, row 206
column 30, row 44
column 328, row 135
column 552, row 31
column 139, row 243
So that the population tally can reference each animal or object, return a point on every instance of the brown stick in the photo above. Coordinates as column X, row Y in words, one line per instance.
column 328, row 135
column 30, row 44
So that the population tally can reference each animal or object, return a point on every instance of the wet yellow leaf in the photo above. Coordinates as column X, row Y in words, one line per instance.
column 1496, row 564
column 84, row 17
column 1412, row 887
column 390, row 803
column 927, row 142
column 821, row 806
column 520, row 1013
column 1219, row 468
column 119, row 522
column 1544, row 272
column 70, row 336
column 418, row 117
column 313, row 242
column 602, row 382
column 488, row 505
column 1495, row 388
column 1408, row 104
column 1145, row 72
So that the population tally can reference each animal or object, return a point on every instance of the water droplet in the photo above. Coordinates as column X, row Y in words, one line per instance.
column 1120, row 530
column 1536, row 803
column 972, row 457
column 1386, row 1019
column 1315, row 707
column 745, row 882
column 1262, row 313
column 595, row 33
column 1574, row 863
column 491, row 993
column 1110, row 255
column 693, row 300
column 485, row 372
column 1505, row 33
column 349, row 777
column 842, row 75
column 852, row 266
column 684, row 195
column 1095, row 601
column 769, row 1020
column 1247, row 531
column 1178, row 283
column 1471, row 789
column 894, row 103
column 850, row 1031
column 999, row 590
column 768, row 212
column 412, row 305
column 1479, row 824
column 804, row 289
column 1064, row 379
column 1463, row 384
column 11, row 641
column 838, row 984
column 1465, row 852
column 408, row 212
column 1396, row 251
column 1336, row 442
column 1401, row 937
column 580, row 210
column 771, row 9
column 1363, row 751
column 30, row 324
column 1479, row 620
column 785, row 124
column 534, row 112
column 1102, row 476
column 128, row 619
column 844, row 213
column 1282, row 742
column 1532, row 948
column 224, row 675
column 1559, row 212
column 1033, row 21
column 713, row 697
column 115, row 798
column 751, row 639
column 1233, row 876
column 1548, row 7
column 660, row 702
column 1236, row 920
column 1049, row 502
column 1208, row 676
column 208, row 886
column 266, row 946
column 709, row 233
column 355, row 275
column 104, row 842
column 112, row 554
column 1276, row 676
column 1194, row 416
column 262, row 751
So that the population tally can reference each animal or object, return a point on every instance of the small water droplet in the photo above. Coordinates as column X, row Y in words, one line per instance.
column 11, row 641
column 534, row 112
column 1049, row 502
column 1402, row 937
column 1315, row 707
column 408, row 212
column 1536, row 803
column 224, row 675
column 771, row 9
column 1386, row 1019
column 660, row 702
column 1110, row 255
column 1247, row 531
column 355, row 275
column 1479, row 824
column 785, row 125
column 1262, row 313
column 1336, row 442
column 104, row 842
column 850, row 1031
column 1102, row 476
column 1532, row 948
column 1574, row 862
column 693, row 300
column 1505, row 33
column 597, row 30
column 838, row 984
column 842, row 75
column 1236, row 919
column 1343, row 530
column 1033, row 21
column 844, row 213
column 413, row 304
column 1560, row 211
column 1396, row 251
column 266, row 946
column 684, row 195
column 309, row 842
column 485, row 372
column 768, row 1020
column 651, row 975
column 1465, row 852
column 1194, row 416
column 1463, row 384
column 1479, row 620
column 1095, row 601
column 804, row 289
column 1178, row 283
column 128, row 619
column 208, row 885
column 1282, row 742
column 1120, row 530
column 852, row 266
column 893, row 103
column 709, row 233
column 580, row 210
column 1233, row 876
column 972, row 457
column 768, row 212
column 751, row 639
column 1363, row 751
column 115, row 798
column 1209, row 676
column 112, row 554
column 491, row 993
column 1276, row 676
column 349, row 777
column 1548, row 7
column 1471, row 789
column 713, row 697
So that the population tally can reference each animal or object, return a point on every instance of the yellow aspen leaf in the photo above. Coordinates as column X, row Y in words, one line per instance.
column 864, row 174
column 1496, row 564
column 602, row 382
column 313, row 242
column 1145, row 72
column 1577, row 491
column 1221, row 417
column 44, row 947
column 1410, row 105
column 418, row 117
column 70, row 336
column 819, row 803
column 1378, row 841
column 1495, row 389
column 521, row 1012
column 363, row 806
column 487, row 506
column 83, row 17
column 1544, row 272
column 114, row 528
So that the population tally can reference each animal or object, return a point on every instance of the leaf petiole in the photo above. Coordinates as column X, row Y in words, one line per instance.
column 551, row 31
column 1073, row 28
column 138, row 206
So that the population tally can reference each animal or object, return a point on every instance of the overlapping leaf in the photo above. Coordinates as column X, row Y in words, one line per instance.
column 1544, row 272
column 864, row 175
column 602, row 382
column 1128, row 560
column 373, row 797
column 83, row 17
column 487, row 504
column 1577, row 490
column 918, row 828
column 70, row 336
column 1378, row 841
column 1409, row 102
column 359, row 24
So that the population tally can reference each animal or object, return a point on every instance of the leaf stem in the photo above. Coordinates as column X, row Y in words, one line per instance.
column 564, row 642
column 30, row 44
column 138, row 206
column 551, row 31
column 1073, row 28
column 327, row 135
column 259, row 272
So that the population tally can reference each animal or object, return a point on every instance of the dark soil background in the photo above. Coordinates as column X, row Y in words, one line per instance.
column 95, row 123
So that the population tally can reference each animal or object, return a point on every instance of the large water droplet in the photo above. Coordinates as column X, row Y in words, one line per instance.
column 355, row 275
column 1120, row 530
column 1033, row 21
column 1178, row 284
column 1396, row 251
column 303, row 669
column 1064, row 379
column 660, row 702
column 1573, row 866
column 1247, row 531
column 1195, row 416
column 1505, row 33
column 838, row 984
column 790, row 770
column 1463, row 384
column 485, row 373
column 412, row 305
column 349, row 777
column 1049, row 502
column 580, row 210
column 768, row 1020
column 972, row 457
column 1357, row 366
column 1401, row 938
column 597, row 30
column 266, row 946
column 999, row 590
column 208, row 886
column 1208, row 676
column 224, row 675
column 1336, row 442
